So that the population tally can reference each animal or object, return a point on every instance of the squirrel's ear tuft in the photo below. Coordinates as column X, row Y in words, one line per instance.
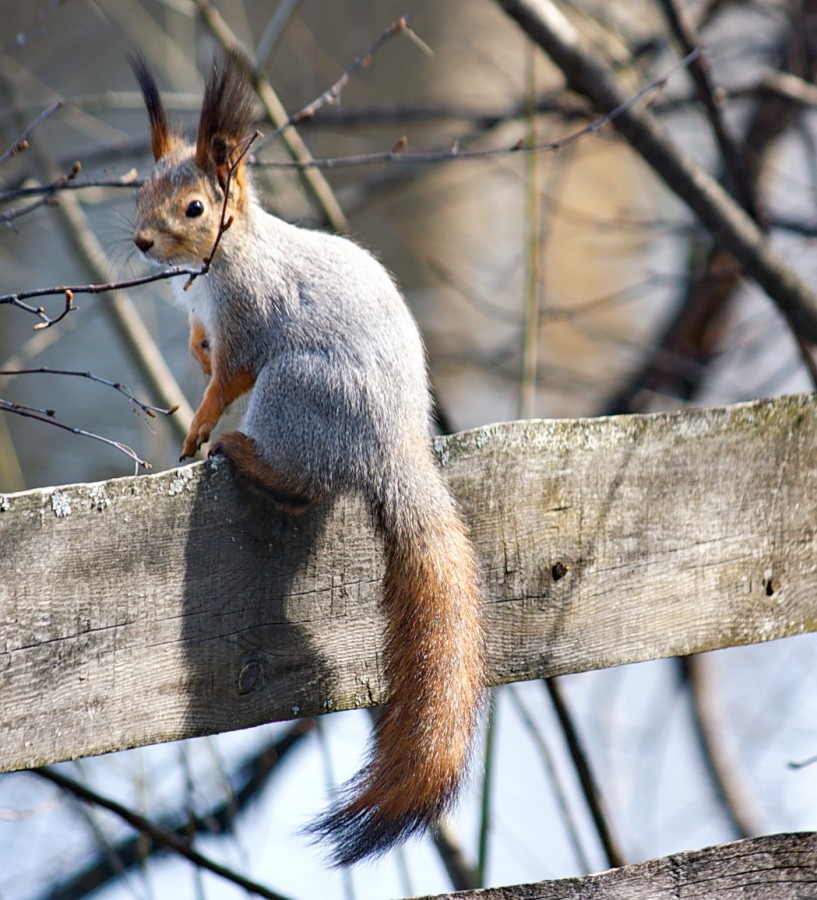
column 162, row 139
column 227, row 114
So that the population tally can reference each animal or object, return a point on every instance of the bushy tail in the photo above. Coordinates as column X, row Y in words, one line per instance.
column 434, row 662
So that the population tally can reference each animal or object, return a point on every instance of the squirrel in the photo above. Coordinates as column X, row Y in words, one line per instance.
column 315, row 328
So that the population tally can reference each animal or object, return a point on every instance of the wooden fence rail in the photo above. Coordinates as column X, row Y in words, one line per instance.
column 154, row 608
column 777, row 867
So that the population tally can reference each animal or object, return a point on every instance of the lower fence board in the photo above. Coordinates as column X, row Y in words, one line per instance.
column 777, row 867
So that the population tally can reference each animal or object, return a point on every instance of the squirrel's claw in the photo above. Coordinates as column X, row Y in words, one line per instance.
column 190, row 448
column 226, row 444
column 198, row 435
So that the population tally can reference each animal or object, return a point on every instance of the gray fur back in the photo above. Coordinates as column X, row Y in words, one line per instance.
column 342, row 397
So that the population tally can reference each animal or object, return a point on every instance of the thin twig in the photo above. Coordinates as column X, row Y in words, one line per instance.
column 155, row 832
column 67, row 182
column 457, row 153
column 21, row 142
column 47, row 417
column 481, row 117
column 46, row 198
column 126, row 392
column 119, row 308
column 17, row 299
column 776, row 83
column 225, row 222
column 484, row 118
column 45, row 321
column 801, row 764
column 128, row 180
column 332, row 94
column 23, row 408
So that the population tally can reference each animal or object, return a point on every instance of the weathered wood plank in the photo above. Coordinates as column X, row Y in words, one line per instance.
column 777, row 867
column 153, row 608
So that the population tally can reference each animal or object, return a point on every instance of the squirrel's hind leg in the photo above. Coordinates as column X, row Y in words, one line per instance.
column 252, row 469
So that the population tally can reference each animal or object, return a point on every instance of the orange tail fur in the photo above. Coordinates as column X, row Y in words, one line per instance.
column 434, row 663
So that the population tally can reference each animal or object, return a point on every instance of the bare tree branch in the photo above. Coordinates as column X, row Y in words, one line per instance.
column 690, row 340
column 734, row 164
column 21, row 142
column 225, row 221
column 460, row 871
column 47, row 193
column 587, row 74
column 801, row 764
column 592, row 794
column 135, row 336
column 156, row 833
column 251, row 779
column 17, row 299
column 456, row 152
column 332, row 94
column 47, row 416
column 726, row 772
column 47, row 196
column 531, row 725
column 117, row 386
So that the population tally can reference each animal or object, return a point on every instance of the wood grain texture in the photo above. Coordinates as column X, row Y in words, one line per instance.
column 777, row 867
column 159, row 607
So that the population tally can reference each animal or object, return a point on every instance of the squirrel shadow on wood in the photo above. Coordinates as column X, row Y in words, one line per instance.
column 259, row 571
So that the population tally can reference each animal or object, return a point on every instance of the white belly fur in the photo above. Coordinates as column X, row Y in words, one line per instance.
column 197, row 300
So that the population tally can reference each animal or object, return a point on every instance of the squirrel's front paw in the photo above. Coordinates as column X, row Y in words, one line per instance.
column 199, row 434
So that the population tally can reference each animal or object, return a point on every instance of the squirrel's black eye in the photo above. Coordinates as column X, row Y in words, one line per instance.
column 194, row 208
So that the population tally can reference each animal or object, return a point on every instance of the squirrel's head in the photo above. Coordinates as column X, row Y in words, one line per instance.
column 181, row 207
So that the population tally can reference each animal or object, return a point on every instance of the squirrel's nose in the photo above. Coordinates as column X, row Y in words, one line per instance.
column 142, row 242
